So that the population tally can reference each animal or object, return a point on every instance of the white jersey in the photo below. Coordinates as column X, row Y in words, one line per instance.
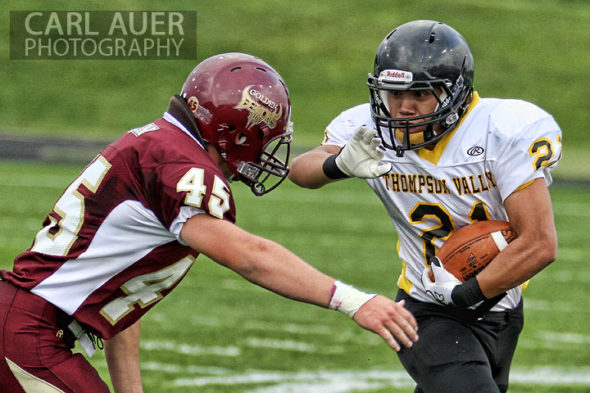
column 500, row 145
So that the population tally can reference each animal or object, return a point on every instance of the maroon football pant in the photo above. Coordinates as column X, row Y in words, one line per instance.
column 33, row 354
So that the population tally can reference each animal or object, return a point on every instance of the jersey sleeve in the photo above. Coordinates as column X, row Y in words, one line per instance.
column 341, row 129
column 175, row 176
column 187, row 189
column 529, row 148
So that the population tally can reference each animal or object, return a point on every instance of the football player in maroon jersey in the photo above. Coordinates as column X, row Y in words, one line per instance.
column 128, row 228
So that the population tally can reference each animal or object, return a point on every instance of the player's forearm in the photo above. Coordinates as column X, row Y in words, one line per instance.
column 122, row 356
column 521, row 260
column 272, row 266
column 306, row 169
column 281, row 271
column 531, row 215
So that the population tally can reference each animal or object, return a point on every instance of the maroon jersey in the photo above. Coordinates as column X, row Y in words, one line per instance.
column 111, row 247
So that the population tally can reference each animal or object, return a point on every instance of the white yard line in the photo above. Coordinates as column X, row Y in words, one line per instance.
column 344, row 381
column 188, row 349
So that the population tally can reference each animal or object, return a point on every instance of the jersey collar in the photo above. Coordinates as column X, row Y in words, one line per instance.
column 171, row 119
column 180, row 116
column 434, row 155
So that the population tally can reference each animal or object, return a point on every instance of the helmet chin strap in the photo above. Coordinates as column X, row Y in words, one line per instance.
column 414, row 139
column 429, row 133
column 405, row 138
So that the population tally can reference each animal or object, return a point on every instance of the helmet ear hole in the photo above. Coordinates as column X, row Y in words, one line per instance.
column 241, row 138
column 263, row 132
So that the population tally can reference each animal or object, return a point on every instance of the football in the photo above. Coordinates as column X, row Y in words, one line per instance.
column 469, row 249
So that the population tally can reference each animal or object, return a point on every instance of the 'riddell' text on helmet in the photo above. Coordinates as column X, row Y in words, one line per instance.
column 242, row 107
column 425, row 56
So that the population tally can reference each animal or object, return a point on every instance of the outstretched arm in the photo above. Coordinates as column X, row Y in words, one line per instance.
column 360, row 157
column 272, row 266
column 306, row 169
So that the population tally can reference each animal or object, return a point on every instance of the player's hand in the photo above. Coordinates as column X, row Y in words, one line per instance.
column 391, row 320
column 361, row 156
column 444, row 282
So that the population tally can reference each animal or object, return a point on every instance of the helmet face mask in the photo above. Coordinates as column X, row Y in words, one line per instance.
column 242, row 108
column 271, row 169
column 427, row 57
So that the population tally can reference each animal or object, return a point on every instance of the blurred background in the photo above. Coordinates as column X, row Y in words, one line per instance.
column 217, row 333
column 534, row 50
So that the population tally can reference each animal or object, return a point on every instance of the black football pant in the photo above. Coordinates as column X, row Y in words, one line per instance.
column 457, row 353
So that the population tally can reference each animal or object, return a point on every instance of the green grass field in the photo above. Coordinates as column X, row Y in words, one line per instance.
column 218, row 333
column 536, row 50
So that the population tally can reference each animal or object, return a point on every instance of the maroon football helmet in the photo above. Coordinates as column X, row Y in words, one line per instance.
column 242, row 107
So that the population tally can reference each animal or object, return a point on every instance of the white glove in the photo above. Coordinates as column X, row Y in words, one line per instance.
column 361, row 156
column 444, row 282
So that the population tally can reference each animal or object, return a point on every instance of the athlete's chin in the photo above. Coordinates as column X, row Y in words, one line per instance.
column 414, row 130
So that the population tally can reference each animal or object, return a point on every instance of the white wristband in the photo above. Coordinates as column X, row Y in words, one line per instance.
column 347, row 299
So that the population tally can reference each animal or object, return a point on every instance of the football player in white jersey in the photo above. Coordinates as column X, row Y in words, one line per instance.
column 129, row 227
column 440, row 157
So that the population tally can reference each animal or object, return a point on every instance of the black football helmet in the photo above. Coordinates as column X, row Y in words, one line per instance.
column 425, row 56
